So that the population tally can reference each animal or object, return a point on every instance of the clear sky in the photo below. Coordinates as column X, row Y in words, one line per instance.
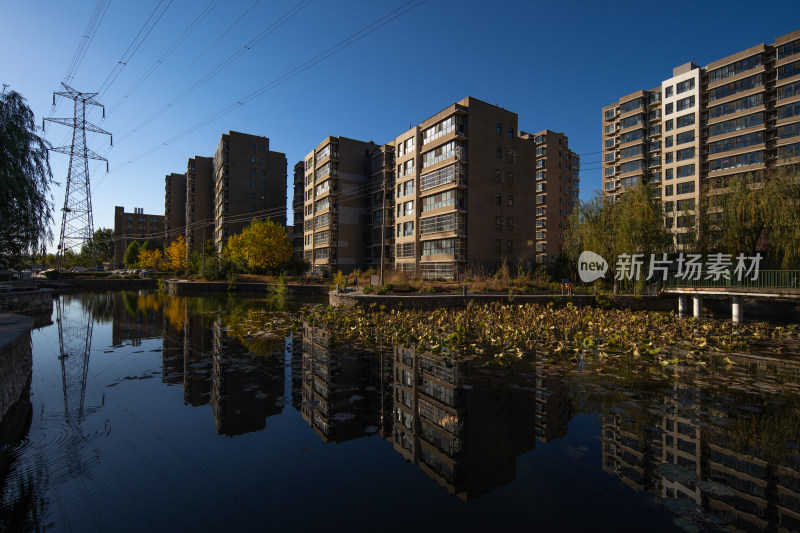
column 553, row 63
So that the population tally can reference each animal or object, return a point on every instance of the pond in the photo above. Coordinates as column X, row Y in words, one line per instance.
column 143, row 411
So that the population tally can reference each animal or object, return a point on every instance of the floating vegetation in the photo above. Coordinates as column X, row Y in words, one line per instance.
column 515, row 331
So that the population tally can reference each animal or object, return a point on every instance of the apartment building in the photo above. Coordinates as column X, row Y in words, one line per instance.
column 467, row 193
column 249, row 181
column 705, row 125
column 297, row 209
column 379, row 239
column 557, row 186
column 136, row 226
column 336, row 187
column 465, row 189
column 174, row 206
column 199, row 213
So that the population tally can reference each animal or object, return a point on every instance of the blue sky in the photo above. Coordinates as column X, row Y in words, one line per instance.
column 555, row 64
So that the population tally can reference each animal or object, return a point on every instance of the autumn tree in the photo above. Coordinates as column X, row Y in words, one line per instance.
column 175, row 254
column 261, row 246
column 151, row 259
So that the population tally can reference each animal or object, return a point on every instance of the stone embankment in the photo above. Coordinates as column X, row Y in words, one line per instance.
column 25, row 300
column 179, row 287
column 16, row 361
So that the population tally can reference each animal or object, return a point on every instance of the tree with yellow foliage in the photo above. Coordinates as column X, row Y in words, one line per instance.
column 175, row 255
column 151, row 259
column 260, row 246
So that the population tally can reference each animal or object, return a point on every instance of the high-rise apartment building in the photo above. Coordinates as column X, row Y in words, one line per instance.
column 199, row 198
column 174, row 206
column 467, row 193
column 249, row 181
column 136, row 226
column 297, row 210
column 465, row 189
column 337, row 175
column 557, row 186
column 705, row 125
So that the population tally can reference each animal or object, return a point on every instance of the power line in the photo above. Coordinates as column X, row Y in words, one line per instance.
column 201, row 54
column 249, row 45
column 134, row 46
column 338, row 47
column 174, row 46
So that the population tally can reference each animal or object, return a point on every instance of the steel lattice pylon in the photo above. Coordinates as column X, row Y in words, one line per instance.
column 77, row 226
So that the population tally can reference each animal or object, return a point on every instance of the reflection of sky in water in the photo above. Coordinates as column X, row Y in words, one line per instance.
column 188, row 417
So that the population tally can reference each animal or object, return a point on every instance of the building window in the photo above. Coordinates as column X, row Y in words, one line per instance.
column 252, row 196
column 498, row 176
column 499, row 129
column 498, row 245
column 510, row 133
column 685, row 86
column 510, row 246
column 668, row 190
column 510, row 201
column 252, row 207
column 498, row 199
column 510, row 222
column 499, row 153
column 668, row 91
column 668, row 125
column 252, row 183
column 253, row 171
column 510, row 178
column 668, row 108
column 498, row 222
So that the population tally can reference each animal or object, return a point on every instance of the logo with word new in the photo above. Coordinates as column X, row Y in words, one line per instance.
column 591, row 267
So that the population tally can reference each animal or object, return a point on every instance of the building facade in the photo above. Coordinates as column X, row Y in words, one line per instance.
column 297, row 210
column 249, row 181
column 336, row 186
column 467, row 193
column 705, row 125
column 464, row 190
column 136, row 226
column 199, row 194
column 174, row 206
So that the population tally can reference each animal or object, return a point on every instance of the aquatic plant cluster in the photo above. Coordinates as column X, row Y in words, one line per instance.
column 508, row 331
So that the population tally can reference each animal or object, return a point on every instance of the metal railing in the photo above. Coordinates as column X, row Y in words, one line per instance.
column 767, row 279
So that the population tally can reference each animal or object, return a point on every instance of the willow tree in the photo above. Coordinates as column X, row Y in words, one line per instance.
column 25, row 177
column 781, row 208
column 631, row 224
column 743, row 216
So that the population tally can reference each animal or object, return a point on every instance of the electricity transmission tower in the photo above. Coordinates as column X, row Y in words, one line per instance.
column 77, row 226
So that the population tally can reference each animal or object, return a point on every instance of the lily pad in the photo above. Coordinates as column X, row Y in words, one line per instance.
column 677, row 473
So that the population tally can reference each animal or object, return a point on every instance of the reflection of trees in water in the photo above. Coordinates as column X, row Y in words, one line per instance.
column 99, row 304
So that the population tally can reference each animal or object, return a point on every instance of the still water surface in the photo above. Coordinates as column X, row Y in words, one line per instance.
column 146, row 412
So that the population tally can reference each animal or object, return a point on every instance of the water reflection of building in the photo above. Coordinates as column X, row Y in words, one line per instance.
column 690, row 430
column 244, row 389
column 340, row 394
column 464, row 436
column 197, row 346
column 553, row 407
